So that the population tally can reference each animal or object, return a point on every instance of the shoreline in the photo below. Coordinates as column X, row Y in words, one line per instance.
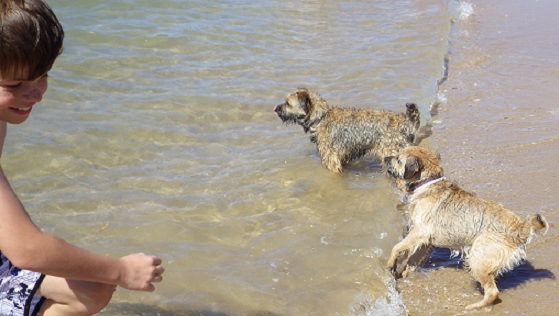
column 497, row 136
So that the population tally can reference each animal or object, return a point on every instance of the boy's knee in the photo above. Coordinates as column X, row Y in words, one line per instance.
column 94, row 300
column 76, row 297
column 99, row 298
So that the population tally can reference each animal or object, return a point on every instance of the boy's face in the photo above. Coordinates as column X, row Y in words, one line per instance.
column 17, row 97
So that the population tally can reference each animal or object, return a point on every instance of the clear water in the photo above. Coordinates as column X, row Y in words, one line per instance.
column 157, row 135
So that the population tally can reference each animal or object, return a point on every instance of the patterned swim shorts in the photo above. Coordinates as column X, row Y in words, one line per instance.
column 17, row 290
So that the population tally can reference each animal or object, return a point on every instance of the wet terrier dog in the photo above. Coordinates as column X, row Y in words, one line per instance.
column 343, row 135
column 492, row 238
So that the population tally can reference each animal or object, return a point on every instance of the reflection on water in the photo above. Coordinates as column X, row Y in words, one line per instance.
column 157, row 135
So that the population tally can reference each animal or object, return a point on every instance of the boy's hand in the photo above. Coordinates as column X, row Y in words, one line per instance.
column 140, row 271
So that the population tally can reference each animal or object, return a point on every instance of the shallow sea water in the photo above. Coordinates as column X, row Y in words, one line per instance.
column 157, row 135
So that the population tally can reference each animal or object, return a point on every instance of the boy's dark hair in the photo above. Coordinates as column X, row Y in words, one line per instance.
column 30, row 39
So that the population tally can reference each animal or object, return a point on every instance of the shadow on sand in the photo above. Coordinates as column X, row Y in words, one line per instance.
column 525, row 271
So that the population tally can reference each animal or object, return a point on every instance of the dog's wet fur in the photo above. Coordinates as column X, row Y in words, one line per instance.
column 343, row 135
column 491, row 237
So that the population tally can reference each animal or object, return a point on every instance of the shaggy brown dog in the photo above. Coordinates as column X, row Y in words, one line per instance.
column 492, row 238
column 343, row 135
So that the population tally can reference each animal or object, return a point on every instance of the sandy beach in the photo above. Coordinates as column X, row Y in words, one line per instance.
column 497, row 131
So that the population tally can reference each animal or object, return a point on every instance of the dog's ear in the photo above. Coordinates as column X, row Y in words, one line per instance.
column 412, row 167
column 304, row 99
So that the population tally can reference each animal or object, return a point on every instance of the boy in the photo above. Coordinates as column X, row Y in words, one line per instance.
column 41, row 274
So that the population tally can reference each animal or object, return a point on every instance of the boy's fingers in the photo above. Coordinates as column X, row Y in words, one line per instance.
column 157, row 261
column 150, row 288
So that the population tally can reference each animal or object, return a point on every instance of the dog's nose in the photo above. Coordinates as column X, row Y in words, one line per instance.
column 387, row 159
column 277, row 108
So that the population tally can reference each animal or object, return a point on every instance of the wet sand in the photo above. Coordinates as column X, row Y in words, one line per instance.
column 498, row 135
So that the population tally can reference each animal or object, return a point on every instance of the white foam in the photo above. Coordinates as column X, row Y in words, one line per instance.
column 441, row 97
column 390, row 305
column 465, row 10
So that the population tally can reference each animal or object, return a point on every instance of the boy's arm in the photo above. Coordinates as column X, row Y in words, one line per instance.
column 29, row 248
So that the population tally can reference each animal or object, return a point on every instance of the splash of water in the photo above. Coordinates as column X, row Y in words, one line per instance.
column 390, row 305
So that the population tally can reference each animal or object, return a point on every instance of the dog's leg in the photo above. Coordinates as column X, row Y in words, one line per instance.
column 330, row 159
column 415, row 260
column 489, row 288
column 486, row 257
column 413, row 241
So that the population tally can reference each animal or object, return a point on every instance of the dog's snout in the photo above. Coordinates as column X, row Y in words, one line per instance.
column 387, row 159
column 277, row 108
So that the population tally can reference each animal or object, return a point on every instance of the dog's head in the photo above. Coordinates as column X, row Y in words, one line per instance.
column 301, row 107
column 414, row 163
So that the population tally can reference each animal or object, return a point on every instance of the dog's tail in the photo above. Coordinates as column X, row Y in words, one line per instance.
column 412, row 112
column 537, row 224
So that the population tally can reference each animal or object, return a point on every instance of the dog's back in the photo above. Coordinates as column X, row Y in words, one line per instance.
column 458, row 218
column 363, row 131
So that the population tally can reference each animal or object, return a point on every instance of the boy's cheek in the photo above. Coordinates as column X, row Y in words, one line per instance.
column 5, row 99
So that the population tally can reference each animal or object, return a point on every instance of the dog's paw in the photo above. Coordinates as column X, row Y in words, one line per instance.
column 407, row 271
column 472, row 306
column 480, row 306
column 392, row 268
column 391, row 264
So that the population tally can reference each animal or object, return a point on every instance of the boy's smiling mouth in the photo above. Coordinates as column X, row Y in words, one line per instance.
column 22, row 111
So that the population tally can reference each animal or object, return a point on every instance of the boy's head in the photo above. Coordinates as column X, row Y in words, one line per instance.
column 30, row 39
